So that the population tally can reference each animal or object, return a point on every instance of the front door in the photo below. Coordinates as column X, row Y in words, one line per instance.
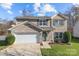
column 44, row 35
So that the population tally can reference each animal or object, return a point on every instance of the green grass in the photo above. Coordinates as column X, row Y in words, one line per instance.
column 2, row 47
column 62, row 50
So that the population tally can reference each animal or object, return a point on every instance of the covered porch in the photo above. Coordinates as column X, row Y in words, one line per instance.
column 46, row 35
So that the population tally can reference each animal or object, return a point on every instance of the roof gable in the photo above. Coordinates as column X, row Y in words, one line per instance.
column 59, row 16
column 26, row 23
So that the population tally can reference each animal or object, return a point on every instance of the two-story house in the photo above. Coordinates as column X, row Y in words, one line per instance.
column 32, row 29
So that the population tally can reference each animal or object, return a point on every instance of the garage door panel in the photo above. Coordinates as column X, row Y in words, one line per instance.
column 26, row 38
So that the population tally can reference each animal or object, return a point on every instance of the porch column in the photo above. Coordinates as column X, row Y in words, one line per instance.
column 41, row 38
column 52, row 35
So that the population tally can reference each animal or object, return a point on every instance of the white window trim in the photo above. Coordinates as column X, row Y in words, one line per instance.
column 59, row 35
column 58, row 22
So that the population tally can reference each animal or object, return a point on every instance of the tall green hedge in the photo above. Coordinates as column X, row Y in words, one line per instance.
column 67, row 37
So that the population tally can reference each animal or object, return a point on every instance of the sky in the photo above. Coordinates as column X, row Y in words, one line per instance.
column 11, row 10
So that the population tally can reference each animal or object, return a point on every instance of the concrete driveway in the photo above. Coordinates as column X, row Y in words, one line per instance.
column 22, row 50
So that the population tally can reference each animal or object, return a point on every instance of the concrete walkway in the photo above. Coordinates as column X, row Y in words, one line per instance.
column 45, row 45
column 22, row 50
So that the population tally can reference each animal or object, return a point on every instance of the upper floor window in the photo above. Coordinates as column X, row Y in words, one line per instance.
column 58, row 23
column 42, row 22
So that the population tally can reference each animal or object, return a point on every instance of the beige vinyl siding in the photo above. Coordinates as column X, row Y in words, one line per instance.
column 56, row 17
column 62, row 28
column 49, row 23
column 35, row 22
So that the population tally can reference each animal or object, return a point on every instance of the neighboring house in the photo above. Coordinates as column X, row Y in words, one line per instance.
column 32, row 29
column 76, row 30
column 73, row 16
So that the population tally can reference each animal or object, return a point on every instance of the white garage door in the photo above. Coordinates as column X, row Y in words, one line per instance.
column 31, row 38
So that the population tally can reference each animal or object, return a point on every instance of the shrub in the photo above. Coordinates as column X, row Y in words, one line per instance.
column 67, row 37
column 10, row 39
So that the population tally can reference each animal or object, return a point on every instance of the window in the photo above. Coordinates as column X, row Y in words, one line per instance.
column 58, row 35
column 55, row 23
column 55, row 35
column 58, row 23
column 42, row 22
column 61, row 22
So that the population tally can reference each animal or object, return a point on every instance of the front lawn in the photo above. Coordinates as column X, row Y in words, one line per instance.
column 2, row 47
column 62, row 50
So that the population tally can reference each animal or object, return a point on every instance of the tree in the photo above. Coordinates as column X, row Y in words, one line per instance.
column 73, row 15
column 26, row 12
column 3, row 29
